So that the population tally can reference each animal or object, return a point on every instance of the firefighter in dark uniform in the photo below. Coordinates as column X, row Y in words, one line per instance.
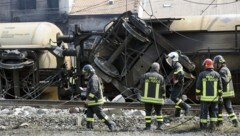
column 208, row 91
column 228, row 90
column 178, row 82
column 153, row 94
column 94, row 99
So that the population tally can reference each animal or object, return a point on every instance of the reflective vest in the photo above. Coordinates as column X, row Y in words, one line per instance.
column 94, row 92
column 153, row 88
column 209, row 86
column 228, row 90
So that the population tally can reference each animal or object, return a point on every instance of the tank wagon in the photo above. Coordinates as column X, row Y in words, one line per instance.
column 29, row 67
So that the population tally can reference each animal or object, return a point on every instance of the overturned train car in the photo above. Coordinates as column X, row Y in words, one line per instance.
column 127, row 49
column 129, row 46
column 29, row 68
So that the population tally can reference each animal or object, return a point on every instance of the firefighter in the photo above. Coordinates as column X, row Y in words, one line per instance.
column 208, row 91
column 178, row 82
column 152, row 95
column 94, row 99
column 228, row 90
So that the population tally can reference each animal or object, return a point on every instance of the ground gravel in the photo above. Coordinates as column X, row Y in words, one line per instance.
column 31, row 121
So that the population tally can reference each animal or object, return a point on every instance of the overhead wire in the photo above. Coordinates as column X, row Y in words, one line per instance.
column 103, row 4
column 201, row 3
column 98, row 4
column 178, row 33
column 207, row 7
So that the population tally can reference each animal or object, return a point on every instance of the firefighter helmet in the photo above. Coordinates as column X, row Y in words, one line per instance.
column 174, row 56
column 219, row 59
column 171, row 57
column 155, row 66
column 88, row 69
column 207, row 63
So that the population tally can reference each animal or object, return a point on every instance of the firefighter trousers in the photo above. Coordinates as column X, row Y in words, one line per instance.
column 176, row 94
column 148, row 117
column 97, row 109
column 210, row 108
column 228, row 107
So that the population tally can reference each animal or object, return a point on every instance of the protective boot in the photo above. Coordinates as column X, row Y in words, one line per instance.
column 185, row 107
column 203, row 126
column 148, row 126
column 235, row 123
column 177, row 112
column 159, row 126
column 89, row 125
column 212, row 125
column 111, row 125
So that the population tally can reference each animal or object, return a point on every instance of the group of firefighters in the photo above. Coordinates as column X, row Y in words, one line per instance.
column 214, row 90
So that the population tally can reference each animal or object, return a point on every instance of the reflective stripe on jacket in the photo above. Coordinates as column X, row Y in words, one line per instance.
column 209, row 86
column 228, row 90
column 153, row 87
column 94, row 92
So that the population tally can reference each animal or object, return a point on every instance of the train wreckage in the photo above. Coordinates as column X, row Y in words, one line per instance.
column 36, row 62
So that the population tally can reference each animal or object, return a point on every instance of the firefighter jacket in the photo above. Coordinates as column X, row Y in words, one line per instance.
column 209, row 86
column 153, row 88
column 94, row 91
column 228, row 90
column 178, row 74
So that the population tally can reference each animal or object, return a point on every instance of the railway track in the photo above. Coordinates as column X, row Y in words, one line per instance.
column 69, row 104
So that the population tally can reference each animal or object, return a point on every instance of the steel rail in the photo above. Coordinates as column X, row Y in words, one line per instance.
column 68, row 104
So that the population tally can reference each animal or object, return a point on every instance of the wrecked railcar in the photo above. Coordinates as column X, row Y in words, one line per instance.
column 198, row 37
column 127, row 49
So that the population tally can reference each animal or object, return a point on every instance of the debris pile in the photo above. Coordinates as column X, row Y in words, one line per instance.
column 14, row 119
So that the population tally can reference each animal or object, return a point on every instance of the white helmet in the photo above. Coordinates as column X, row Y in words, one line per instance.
column 172, row 56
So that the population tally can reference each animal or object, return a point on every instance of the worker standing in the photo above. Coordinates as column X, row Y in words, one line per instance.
column 178, row 82
column 228, row 90
column 208, row 91
column 152, row 95
column 94, row 99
